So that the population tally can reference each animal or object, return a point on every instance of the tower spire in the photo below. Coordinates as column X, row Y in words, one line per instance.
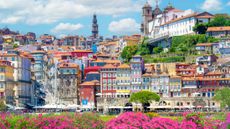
column 157, row 3
column 94, row 26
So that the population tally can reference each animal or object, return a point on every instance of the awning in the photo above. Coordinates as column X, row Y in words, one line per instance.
column 159, row 107
column 128, row 107
column 19, row 108
column 116, row 107
column 87, row 107
column 73, row 106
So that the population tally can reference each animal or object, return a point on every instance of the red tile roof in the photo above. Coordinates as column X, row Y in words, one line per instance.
column 223, row 28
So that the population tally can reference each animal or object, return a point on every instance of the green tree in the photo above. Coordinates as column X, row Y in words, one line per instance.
column 2, row 105
column 128, row 52
column 144, row 97
column 143, row 49
column 219, row 20
column 223, row 96
column 15, row 46
column 157, row 50
column 200, row 28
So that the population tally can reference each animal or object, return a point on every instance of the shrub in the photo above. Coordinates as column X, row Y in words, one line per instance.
column 129, row 120
column 188, row 125
column 63, row 121
column 226, row 124
column 152, row 114
column 200, row 121
column 163, row 123
column 88, row 121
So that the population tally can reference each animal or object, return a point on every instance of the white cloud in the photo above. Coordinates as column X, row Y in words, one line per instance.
column 124, row 26
column 66, row 27
column 62, row 35
column 228, row 3
column 11, row 20
column 50, row 11
column 211, row 5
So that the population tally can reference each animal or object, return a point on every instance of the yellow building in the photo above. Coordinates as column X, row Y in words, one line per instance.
column 169, row 68
column 6, row 82
column 132, row 40
column 123, row 86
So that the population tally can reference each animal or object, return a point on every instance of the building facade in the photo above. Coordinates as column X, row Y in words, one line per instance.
column 7, row 82
column 69, row 78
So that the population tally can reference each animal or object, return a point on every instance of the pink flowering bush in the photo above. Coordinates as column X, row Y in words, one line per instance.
column 226, row 124
column 188, row 125
column 88, row 121
column 163, row 123
column 197, row 120
column 138, row 120
column 63, row 121
column 129, row 120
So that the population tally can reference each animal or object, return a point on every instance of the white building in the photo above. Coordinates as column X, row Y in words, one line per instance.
column 172, row 22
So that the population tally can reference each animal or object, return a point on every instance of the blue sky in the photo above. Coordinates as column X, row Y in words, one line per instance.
column 74, row 17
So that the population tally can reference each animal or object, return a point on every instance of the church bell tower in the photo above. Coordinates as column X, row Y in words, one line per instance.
column 95, row 27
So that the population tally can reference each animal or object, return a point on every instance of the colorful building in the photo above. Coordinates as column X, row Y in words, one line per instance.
column 218, row 32
column 81, row 53
column 137, row 68
column 7, row 82
column 175, row 86
column 88, row 93
column 39, row 65
column 21, row 61
column 123, row 81
column 108, row 80
column 69, row 78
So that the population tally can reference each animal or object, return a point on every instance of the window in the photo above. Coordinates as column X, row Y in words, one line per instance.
column 2, row 78
column 114, row 82
column 104, row 74
column 1, row 85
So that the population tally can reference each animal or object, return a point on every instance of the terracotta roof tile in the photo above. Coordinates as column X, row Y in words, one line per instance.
column 124, row 66
column 223, row 28
column 90, row 83
column 83, row 51
column 68, row 65
column 206, row 44
column 108, row 66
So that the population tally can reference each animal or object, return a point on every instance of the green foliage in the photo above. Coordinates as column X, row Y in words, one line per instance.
column 128, row 52
column 2, row 105
column 200, row 28
column 143, row 49
column 15, row 46
column 144, row 97
column 152, row 114
column 149, row 59
column 219, row 20
column 106, row 118
column 223, row 96
column 157, row 50
column 186, row 42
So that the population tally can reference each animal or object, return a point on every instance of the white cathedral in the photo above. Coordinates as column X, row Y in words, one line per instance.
column 170, row 22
